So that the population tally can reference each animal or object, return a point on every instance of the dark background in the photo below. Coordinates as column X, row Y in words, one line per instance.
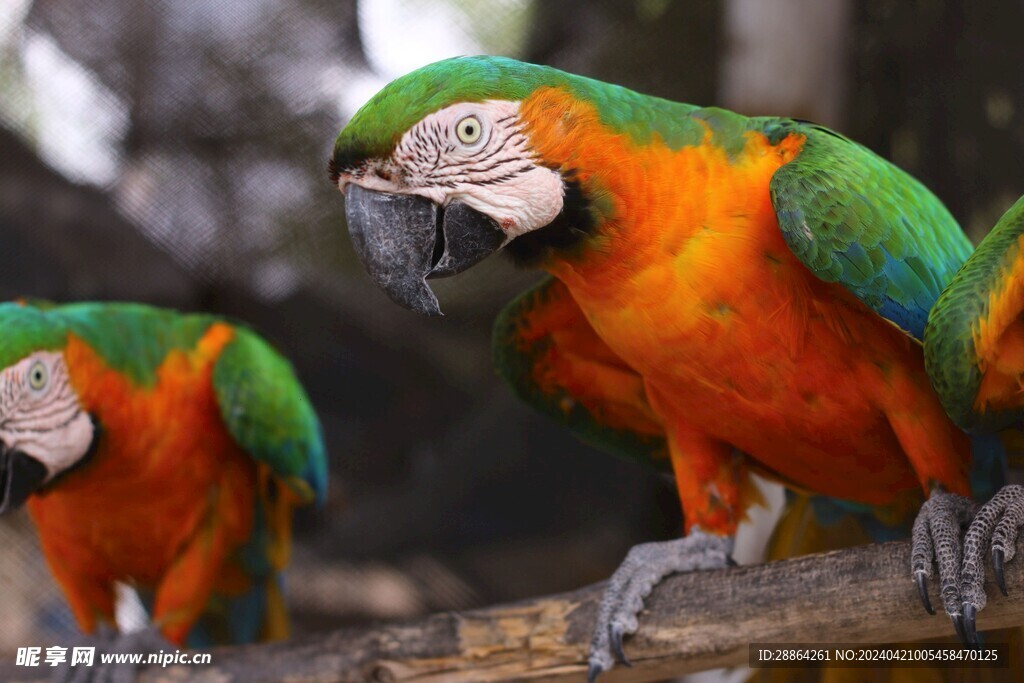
column 174, row 152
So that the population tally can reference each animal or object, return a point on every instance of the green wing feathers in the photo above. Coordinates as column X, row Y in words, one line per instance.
column 547, row 351
column 268, row 413
column 854, row 218
column 974, row 342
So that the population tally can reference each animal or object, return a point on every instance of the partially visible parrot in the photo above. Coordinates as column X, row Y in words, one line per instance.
column 726, row 295
column 162, row 450
column 974, row 353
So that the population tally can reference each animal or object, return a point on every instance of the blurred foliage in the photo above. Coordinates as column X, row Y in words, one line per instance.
column 936, row 89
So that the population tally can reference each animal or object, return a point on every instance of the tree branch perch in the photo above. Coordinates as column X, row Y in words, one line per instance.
column 692, row 622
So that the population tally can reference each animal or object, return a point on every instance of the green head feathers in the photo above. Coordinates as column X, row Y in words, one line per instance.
column 27, row 329
column 131, row 338
column 379, row 124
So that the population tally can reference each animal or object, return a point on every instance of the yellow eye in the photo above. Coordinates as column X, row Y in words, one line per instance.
column 468, row 130
column 37, row 375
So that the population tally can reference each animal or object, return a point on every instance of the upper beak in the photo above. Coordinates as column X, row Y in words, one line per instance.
column 20, row 477
column 403, row 239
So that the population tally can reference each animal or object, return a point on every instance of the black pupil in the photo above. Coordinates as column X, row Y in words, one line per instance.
column 37, row 376
column 469, row 130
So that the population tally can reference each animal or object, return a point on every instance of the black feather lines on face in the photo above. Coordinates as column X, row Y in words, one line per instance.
column 573, row 224
column 428, row 151
column 487, row 159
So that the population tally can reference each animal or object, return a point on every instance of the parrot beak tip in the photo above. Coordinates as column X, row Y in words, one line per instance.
column 402, row 240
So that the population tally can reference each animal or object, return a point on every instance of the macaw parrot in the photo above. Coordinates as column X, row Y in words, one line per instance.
column 725, row 294
column 974, row 353
column 159, row 449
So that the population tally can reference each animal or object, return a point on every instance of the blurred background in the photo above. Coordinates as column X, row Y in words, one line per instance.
column 174, row 152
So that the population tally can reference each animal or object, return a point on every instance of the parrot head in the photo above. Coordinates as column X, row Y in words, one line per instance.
column 439, row 170
column 44, row 431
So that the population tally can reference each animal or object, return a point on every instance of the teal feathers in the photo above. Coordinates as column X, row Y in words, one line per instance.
column 854, row 218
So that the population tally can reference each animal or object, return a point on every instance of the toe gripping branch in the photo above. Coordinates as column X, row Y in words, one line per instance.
column 937, row 535
column 646, row 565
column 994, row 529
column 936, row 539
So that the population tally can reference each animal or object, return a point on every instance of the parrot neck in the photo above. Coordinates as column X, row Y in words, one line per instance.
column 566, row 234
column 128, row 435
column 643, row 185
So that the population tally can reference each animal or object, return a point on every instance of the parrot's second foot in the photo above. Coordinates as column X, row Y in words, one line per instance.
column 146, row 642
column 936, row 540
column 645, row 565
column 994, row 527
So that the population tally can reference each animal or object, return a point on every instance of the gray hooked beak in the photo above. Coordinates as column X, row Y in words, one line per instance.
column 20, row 477
column 403, row 239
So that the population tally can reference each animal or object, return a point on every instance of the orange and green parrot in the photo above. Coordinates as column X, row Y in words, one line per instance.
column 726, row 295
column 163, row 450
column 974, row 353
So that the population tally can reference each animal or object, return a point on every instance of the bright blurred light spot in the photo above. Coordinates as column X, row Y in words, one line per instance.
column 400, row 36
column 12, row 14
column 15, row 103
column 77, row 122
column 129, row 613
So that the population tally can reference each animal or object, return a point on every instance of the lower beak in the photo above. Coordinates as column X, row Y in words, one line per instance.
column 20, row 477
column 403, row 239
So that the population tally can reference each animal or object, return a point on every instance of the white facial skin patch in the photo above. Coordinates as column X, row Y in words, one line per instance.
column 474, row 153
column 40, row 414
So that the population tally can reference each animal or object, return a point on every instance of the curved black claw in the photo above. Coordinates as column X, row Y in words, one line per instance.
column 922, row 590
column 993, row 531
column 997, row 569
column 937, row 544
column 970, row 624
column 616, row 642
column 593, row 671
column 958, row 626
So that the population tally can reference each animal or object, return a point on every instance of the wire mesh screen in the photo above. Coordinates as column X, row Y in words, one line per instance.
column 174, row 152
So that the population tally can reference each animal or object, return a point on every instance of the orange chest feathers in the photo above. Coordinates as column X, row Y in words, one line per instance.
column 162, row 459
column 688, row 251
column 690, row 282
column 689, row 266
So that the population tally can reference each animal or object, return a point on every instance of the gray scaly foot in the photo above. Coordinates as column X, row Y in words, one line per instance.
column 936, row 539
column 645, row 565
column 995, row 526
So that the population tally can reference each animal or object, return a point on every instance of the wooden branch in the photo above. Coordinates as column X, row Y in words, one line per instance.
column 692, row 622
